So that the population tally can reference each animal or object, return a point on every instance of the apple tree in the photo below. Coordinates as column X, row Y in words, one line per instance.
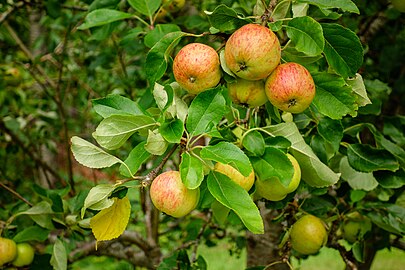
column 253, row 121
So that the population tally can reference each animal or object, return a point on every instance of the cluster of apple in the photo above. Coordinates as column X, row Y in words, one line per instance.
column 21, row 254
column 252, row 56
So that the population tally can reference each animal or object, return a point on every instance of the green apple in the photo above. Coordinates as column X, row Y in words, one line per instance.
column 252, row 52
column 8, row 250
column 25, row 255
column 290, row 88
column 250, row 93
column 355, row 227
column 246, row 182
column 196, row 67
column 399, row 5
column 171, row 196
column 272, row 189
column 308, row 235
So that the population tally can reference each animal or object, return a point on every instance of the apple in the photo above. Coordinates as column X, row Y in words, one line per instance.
column 272, row 189
column 8, row 250
column 252, row 52
column 25, row 255
column 171, row 196
column 250, row 93
column 399, row 5
column 196, row 67
column 308, row 235
column 355, row 227
column 290, row 88
column 246, row 182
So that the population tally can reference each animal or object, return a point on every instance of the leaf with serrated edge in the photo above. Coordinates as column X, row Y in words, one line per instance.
column 357, row 180
column 345, row 5
column 359, row 89
column 236, row 198
column 111, row 222
column 191, row 171
column 59, row 256
column 313, row 171
column 103, row 16
column 145, row 7
column 90, row 155
column 97, row 199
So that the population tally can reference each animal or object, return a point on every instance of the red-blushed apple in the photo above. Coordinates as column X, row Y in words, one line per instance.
column 272, row 189
column 196, row 67
column 171, row 196
column 246, row 182
column 290, row 88
column 250, row 93
column 252, row 52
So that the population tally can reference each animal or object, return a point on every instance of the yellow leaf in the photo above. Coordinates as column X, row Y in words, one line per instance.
column 111, row 222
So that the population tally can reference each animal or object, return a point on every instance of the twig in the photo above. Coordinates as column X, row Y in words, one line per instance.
column 10, row 10
column 15, row 193
column 198, row 238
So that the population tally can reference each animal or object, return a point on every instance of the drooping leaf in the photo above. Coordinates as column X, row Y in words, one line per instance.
column 306, row 35
column 226, row 19
column 364, row 158
column 333, row 97
column 191, row 171
column 172, row 131
column 32, row 233
column 313, row 171
column 111, row 222
column 90, row 155
column 236, row 198
column 116, row 104
column 156, row 144
column 103, row 16
column 145, row 7
column 359, row 89
column 59, row 256
column 254, row 143
column 98, row 198
column 114, row 131
column 389, row 217
column 345, row 5
column 343, row 49
column 228, row 153
column 290, row 54
column 331, row 130
column 135, row 159
column 357, row 180
column 205, row 111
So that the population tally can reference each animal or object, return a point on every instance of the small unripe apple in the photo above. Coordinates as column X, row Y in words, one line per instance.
column 171, row 196
column 25, row 255
column 252, row 52
column 250, row 93
column 246, row 182
column 8, row 250
column 272, row 189
column 399, row 5
column 290, row 88
column 355, row 227
column 196, row 67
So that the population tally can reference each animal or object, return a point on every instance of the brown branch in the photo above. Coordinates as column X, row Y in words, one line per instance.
column 397, row 243
column 16, row 194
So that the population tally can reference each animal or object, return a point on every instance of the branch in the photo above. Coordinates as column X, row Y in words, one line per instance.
column 15, row 193
column 10, row 10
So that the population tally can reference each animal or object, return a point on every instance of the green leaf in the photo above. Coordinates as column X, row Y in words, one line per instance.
column 357, row 180
column 191, row 171
column 358, row 250
column 290, row 54
column 281, row 10
column 389, row 217
column 345, row 5
column 90, row 155
column 41, row 208
column 226, row 19
column 98, row 198
column 364, row 158
column 158, row 57
column 145, row 7
column 274, row 163
column 236, row 198
column 389, row 179
column 156, row 144
column 299, row 9
column 306, row 35
column 114, row 131
column 343, row 49
column 205, row 111
column 333, row 97
column 59, row 256
column 359, row 89
column 228, row 153
column 172, row 131
column 103, row 16
column 32, row 233
column 135, row 159
column 332, row 131
column 313, row 171
column 254, row 143
column 158, row 33
column 98, row 4
column 116, row 104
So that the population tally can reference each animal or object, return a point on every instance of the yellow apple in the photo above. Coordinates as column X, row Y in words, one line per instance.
column 246, row 182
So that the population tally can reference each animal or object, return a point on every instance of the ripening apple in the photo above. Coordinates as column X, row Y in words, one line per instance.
column 25, row 255
column 250, row 93
column 171, row 196
column 8, row 250
column 196, row 67
column 252, row 52
column 290, row 88
column 246, row 182
column 272, row 189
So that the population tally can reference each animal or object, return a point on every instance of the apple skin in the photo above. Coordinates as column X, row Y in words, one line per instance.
column 171, row 196
column 246, row 182
column 252, row 52
column 250, row 93
column 25, row 255
column 290, row 88
column 196, row 67
column 8, row 250
column 272, row 189
column 399, row 5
